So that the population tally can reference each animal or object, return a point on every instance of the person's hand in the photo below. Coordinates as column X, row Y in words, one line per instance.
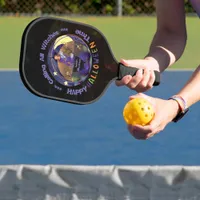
column 165, row 112
column 144, row 78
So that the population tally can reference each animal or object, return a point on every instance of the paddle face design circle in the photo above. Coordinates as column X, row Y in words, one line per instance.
column 69, row 60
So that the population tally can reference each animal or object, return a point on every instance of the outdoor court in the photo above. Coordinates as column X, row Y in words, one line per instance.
column 41, row 131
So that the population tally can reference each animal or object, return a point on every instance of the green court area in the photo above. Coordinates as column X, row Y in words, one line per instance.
column 129, row 37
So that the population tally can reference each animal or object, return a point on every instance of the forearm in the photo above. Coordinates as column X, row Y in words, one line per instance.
column 191, row 91
column 169, row 40
column 166, row 48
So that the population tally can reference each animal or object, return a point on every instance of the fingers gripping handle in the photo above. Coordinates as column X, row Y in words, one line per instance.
column 123, row 71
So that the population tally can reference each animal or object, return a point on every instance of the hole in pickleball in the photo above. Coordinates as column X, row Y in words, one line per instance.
column 142, row 109
column 146, row 115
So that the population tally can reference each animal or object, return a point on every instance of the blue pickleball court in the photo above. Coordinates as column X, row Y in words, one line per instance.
column 40, row 131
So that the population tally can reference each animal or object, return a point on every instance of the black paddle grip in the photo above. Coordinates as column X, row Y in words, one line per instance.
column 123, row 71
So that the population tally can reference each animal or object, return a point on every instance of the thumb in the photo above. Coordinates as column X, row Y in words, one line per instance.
column 156, row 121
column 156, row 126
column 124, row 62
column 138, row 95
column 133, row 63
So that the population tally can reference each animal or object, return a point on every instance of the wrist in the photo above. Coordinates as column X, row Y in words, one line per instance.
column 175, row 108
column 154, row 63
column 182, row 107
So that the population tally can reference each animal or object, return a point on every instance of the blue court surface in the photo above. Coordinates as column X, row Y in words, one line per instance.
column 40, row 131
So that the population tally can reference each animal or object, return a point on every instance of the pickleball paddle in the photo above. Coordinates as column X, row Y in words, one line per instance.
column 68, row 61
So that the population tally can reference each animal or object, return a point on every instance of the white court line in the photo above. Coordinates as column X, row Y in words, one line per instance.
column 8, row 69
column 178, row 70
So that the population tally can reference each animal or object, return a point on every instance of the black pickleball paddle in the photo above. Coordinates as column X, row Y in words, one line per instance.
column 68, row 61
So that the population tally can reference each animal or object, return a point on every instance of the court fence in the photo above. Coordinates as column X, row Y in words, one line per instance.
column 80, row 7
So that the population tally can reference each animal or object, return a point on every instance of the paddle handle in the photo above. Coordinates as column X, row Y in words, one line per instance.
column 124, row 70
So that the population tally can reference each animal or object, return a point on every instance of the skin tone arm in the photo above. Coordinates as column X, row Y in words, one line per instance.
column 167, row 46
column 191, row 91
column 170, row 38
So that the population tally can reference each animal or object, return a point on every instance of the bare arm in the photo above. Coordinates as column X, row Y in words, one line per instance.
column 190, row 92
column 170, row 38
column 167, row 46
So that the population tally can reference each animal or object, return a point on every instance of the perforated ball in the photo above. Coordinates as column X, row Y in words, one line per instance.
column 138, row 111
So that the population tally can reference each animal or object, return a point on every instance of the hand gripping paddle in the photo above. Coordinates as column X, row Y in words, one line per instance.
column 68, row 61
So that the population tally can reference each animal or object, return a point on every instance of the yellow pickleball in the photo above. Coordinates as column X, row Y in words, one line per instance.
column 138, row 111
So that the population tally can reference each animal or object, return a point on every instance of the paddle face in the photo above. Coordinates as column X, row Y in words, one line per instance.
column 66, row 61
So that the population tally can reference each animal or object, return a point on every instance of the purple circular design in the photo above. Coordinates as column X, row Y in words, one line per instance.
column 69, row 60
